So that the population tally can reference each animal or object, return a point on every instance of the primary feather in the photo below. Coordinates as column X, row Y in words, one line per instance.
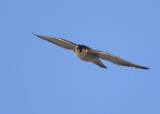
column 58, row 41
column 115, row 59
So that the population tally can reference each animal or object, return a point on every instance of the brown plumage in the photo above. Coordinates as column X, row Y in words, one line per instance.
column 87, row 54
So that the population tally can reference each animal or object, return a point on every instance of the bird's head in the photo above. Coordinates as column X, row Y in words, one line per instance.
column 80, row 48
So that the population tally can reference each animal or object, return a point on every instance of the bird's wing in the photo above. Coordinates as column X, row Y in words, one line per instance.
column 115, row 59
column 58, row 41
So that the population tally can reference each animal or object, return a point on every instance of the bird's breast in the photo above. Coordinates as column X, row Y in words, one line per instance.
column 85, row 55
column 81, row 54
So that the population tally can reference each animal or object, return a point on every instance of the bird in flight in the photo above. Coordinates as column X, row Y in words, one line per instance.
column 89, row 55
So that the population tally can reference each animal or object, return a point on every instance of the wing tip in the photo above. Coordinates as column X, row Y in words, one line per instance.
column 143, row 67
column 40, row 36
column 35, row 34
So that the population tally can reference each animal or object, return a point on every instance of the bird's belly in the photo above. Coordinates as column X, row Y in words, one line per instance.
column 86, row 57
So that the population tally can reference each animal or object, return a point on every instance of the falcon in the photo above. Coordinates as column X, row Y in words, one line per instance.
column 87, row 54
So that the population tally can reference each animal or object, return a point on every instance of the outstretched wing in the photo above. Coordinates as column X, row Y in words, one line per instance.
column 115, row 59
column 58, row 41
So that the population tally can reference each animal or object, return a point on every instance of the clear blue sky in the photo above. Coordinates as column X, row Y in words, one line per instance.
column 38, row 77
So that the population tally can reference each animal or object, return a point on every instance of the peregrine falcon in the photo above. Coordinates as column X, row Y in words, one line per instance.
column 89, row 55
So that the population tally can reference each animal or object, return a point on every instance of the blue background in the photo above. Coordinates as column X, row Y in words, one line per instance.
column 37, row 77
